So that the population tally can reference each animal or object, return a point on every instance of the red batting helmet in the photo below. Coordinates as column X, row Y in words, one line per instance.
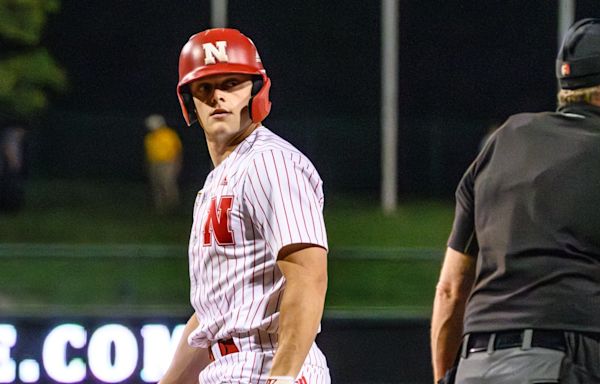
column 217, row 51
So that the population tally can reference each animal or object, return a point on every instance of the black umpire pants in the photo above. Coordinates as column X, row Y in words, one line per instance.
column 522, row 357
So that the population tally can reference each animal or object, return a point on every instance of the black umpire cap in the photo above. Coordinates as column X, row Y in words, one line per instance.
column 578, row 61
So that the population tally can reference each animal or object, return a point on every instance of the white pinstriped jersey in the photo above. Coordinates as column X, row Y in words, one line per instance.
column 265, row 195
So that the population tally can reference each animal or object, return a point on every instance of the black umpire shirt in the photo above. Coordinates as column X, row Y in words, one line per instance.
column 528, row 208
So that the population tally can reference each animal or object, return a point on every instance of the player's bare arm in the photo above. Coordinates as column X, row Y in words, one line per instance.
column 452, row 291
column 187, row 361
column 305, row 269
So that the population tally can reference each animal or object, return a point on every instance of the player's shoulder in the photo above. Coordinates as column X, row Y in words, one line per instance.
column 267, row 140
column 267, row 143
column 265, row 152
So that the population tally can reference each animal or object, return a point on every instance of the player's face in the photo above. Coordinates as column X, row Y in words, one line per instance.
column 222, row 104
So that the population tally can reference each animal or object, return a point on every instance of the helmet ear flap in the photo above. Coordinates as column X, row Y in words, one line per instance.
column 188, row 102
column 257, row 84
column 260, row 105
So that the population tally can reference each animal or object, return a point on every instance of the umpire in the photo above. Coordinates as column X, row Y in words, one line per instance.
column 518, row 299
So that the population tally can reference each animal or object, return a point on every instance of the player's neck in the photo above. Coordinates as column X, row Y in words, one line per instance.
column 221, row 147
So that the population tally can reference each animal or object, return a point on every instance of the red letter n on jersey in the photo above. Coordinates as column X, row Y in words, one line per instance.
column 218, row 222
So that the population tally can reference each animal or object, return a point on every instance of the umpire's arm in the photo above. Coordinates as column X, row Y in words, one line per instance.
column 304, row 267
column 453, row 288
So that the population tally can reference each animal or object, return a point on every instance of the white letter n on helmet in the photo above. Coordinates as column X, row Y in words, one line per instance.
column 211, row 51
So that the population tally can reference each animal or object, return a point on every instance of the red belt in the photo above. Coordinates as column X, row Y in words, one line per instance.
column 226, row 347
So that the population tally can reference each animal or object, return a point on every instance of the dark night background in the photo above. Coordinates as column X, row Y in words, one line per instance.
column 463, row 67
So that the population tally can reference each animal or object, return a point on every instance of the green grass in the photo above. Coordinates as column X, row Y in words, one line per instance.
column 360, row 222
column 94, row 212
column 63, row 211
column 131, row 283
column 407, row 284
column 103, row 281
column 376, row 261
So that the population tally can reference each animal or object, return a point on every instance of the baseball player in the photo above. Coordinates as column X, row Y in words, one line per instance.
column 258, row 246
column 519, row 291
column 163, row 159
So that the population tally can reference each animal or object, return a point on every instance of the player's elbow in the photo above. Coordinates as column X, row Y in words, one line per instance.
column 450, row 292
